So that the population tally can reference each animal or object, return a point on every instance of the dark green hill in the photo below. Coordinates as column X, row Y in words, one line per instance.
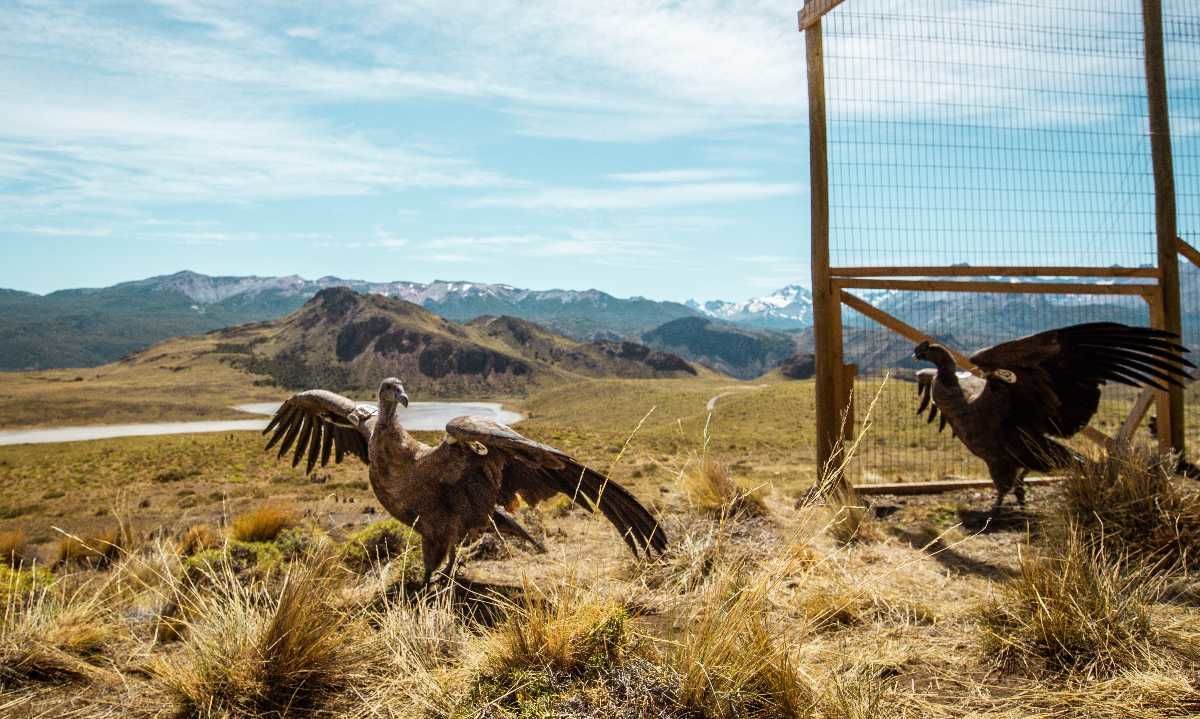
column 724, row 347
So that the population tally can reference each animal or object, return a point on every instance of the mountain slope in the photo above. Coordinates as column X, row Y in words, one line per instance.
column 88, row 327
column 736, row 351
column 343, row 340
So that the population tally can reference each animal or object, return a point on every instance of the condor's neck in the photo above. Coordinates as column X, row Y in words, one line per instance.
column 389, row 425
column 947, row 372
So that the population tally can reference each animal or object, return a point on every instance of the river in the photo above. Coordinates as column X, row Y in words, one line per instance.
column 418, row 416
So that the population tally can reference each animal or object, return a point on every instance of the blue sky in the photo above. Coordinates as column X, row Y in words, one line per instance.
column 642, row 148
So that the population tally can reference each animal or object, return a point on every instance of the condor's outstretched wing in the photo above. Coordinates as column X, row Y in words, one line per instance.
column 536, row 471
column 317, row 423
column 1052, row 379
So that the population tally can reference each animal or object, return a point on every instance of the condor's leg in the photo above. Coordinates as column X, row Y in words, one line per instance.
column 1019, row 489
column 1004, row 476
column 434, row 547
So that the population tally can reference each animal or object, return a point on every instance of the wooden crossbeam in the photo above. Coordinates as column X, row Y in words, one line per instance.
column 1040, row 288
column 1136, row 415
column 949, row 484
column 997, row 271
column 1185, row 249
column 814, row 10
column 899, row 326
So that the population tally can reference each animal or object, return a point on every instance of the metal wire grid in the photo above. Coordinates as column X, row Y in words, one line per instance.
column 989, row 132
column 1181, row 37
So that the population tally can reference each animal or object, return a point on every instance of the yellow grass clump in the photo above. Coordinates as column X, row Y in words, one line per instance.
column 563, row 630
column 264, row 523
column 711, row 489
column 1132, row 504
column 1074, row 609
column 197, row 538
column 251, row 651
column 55, row 632
column 98, row 550
column 730, row 663
column 13, row 546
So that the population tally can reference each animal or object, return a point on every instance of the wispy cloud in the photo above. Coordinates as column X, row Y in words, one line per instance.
column 675, row 176
column 50, row 231
column 651, row 196
column 580, row 244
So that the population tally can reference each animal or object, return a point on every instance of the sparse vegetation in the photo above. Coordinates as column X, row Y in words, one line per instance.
column 760, row 613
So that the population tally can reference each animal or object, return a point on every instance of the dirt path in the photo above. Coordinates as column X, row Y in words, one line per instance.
column 712, row 401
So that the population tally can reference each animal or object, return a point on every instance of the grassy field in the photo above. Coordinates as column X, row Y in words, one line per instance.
column 198, row 576
column 173, row 382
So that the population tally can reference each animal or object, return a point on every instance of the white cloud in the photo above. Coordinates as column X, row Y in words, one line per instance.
column 629, row 198
column 304, row 33
column 675, row 176
column 50, row 231
column 484, row 241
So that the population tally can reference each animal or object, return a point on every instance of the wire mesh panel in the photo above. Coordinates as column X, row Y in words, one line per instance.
column 1181, row 37
column 985, row 133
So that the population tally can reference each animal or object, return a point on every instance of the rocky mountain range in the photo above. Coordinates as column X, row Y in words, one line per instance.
column 87, row 327
column 343, row 340
column 788, row 308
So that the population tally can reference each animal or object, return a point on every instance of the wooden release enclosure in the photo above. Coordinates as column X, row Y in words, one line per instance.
column 833, row 286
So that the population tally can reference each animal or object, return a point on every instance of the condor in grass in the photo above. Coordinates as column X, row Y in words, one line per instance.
column 466, row 483
column 1040, row 387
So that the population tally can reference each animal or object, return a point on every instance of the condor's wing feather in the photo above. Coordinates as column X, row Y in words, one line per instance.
column 1057, row 374
column 1096, row 352
column 317, row 422
column 537, row 471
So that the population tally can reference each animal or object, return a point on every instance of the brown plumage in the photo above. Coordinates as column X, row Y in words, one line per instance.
column 1040, row 387
column 466, row 483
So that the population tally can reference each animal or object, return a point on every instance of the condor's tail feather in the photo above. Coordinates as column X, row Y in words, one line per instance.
column 591, row 490
column 505, row 523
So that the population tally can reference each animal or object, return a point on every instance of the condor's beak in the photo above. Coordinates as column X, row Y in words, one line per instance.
column 403, row 399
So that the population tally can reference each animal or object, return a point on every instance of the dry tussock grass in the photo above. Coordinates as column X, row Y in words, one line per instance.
column 734, row 662
column 711, row 490
column 564, row 629
column 13, row 546
column 98, row 551
column 419, row 642
column 58, row 631
column 249, row 651
column 1075, row 609
column 730, row 663
column 1133, row 504
column 199, row 537
column 264, row 523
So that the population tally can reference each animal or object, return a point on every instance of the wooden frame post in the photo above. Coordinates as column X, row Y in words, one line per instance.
column 826, row 308
column 1170, row 422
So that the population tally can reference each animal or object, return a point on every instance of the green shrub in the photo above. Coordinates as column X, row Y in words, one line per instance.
column 380, row 543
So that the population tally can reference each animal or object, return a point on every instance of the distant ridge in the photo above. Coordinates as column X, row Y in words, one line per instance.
column 91, row 326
